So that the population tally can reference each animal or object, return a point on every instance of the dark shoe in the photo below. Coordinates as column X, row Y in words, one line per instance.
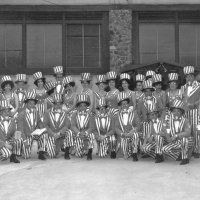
column 89, row 155
column 145, row 156
column 41, row 155
column 179, row 158
column 159, row 158
column 135, row 158
column 63, row 149
column 14, row 159
column 184, row 161
column 67, row 153
column 196, row 155
column 113, row 155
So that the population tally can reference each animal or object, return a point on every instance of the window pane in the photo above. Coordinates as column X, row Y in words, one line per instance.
column 11, row 45
column 189, row 44
column 44, row 45
column 157, row 42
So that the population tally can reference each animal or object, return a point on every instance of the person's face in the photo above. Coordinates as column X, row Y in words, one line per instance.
column 82, row 107
column 20, row 84
column 153, row 116
column 68, row 87
column 102, row 86
column 189, row 78
column 6, row 113
column 148, row 92
column 40, row 83
column 124, row 105
column 31, row 104
column 85, row 84
column 139, row 86
column 173, row 85
column 177, row 112
column 7, row 88
column 57, row 105
column 125, row 85
column 59, row 77
column 102, row 110
column 111, row 83
column 158, row 86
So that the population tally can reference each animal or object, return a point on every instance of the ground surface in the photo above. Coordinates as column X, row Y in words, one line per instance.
column 99, row 179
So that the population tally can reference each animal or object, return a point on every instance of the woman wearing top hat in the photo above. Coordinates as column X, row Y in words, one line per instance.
column 139, row 78
column 50, row 88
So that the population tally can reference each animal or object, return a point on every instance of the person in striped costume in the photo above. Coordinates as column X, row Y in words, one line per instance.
column 104, row 130
column 127, row 127
column 28, row 121
column 178, row 134
column 139, row 78
column 58, row 127
column 154, row 135
column 50, row 88
column 191, row 91
column 39, row 81
column 10, row 143
column 82, row 123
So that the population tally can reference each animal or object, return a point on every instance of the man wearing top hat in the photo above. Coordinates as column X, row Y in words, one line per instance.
column 10, row 142
column 104, row 130
column 127, row 127
column 58, row 128
column 191, row 94
column 82, row 124
column 178, row 134
column 28, row 121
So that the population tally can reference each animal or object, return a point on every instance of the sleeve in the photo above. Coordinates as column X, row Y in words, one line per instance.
column 112, row 127
column 117, row 126
column 142, row 114
column 74, row 124
column 137, row 122
column 47, row 126
column 186, row 129
column 20, row 124
column 66, row 126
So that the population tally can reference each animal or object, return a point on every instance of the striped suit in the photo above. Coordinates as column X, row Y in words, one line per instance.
column 27, row 123
column 21, row 94
column 57, row 124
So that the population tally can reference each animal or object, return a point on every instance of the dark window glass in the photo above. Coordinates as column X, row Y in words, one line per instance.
column 44, row 45
column 10, row 45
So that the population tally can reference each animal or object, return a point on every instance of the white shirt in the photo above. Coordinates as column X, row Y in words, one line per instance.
column 103, row 122
column 6, row 124
column 31, row 118
column 177, row 124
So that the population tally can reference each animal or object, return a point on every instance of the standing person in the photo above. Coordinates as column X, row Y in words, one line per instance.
column 28, row 121
column 159, row 93
column 101, row 83
column 58, row 128
column 191, row 94
column 125, row 81
column 127, row 127
column 7, row 86
column 39, row 81
column 179, row 136
column 82, row 126
column 69, row 95
column 85, row 82
column 111, row 96
column 104, row 130
column 50, row 88
column 10, row 146
column 139, row 78
column 58, row 73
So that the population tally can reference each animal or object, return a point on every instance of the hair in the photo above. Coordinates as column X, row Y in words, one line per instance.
column 128, row 101
column 72, row 84
column 50, row 91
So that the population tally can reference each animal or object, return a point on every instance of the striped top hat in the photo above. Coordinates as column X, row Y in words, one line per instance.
column 83, row 98
column 37, row 76
column 150, row 73
column 125, row 76
column 6, row 80
column 177, row 104
column 85, row 77
column 57, row 98
column 111, row 75
column 122, row 96
column 148, row 85
column 31, row 95
column 49, row 85
column 139, row 78
column 188, row 70
column 5, row 104
column 21, row 78
column 58, row 70
column 101, row 103
column 173, row 77
column 67, row 80
column 157, row 78
column 101, row 79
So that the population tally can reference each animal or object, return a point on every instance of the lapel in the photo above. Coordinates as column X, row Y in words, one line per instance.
column 28, row 119
column 99, row 125
column 172, row 125
column 85, row 123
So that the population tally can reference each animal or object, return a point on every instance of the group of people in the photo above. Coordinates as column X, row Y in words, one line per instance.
column 148, row 121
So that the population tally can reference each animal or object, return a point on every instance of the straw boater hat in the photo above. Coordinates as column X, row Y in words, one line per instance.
column 140, row 78
column 57, row 98
column 111, row 75
column 30, row 96
column 172, row 77
column 37, row 76
column 58, row 70
column 85, row 77
column 21, row 78
column 188, row 70
column 82, row 98
column 4, row 104
column 150, row 73
column 101, row 79
column 6, row 80
column 125, row 76
column 68, row 80
column 178, row 104
column 156, row 78
column 101, row 103
column 148, row 85
column 49, row 85
column 122, row 96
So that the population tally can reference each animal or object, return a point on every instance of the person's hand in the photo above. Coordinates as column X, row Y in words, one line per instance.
column 8, row 146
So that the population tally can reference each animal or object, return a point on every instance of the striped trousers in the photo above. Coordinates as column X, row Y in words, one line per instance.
column 5, row 153
column 104, row 146
column 130, row 145
column 81, row 144
column 178, row 147
column 192, row 115
column 154, row 147
column 54, row 145
column 41, row 141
